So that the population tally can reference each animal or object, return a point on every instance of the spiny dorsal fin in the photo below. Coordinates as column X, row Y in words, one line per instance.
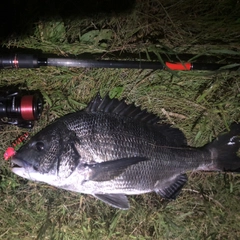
column 174, row 136
column 121, row 108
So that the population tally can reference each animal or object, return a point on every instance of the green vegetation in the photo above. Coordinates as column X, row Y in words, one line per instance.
column 202, row 104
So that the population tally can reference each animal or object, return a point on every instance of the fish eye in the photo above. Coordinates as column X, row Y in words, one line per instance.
column 39, row 146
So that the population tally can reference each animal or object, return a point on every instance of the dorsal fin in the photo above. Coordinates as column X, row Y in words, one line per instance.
column 174, row 136
column 121, row 108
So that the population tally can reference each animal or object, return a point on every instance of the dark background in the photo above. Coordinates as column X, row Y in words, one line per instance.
column 19, row 17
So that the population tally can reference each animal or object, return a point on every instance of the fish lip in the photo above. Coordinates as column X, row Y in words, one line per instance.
column 18, row 163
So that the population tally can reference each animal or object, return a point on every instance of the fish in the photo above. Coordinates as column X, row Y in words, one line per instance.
column 112, row 149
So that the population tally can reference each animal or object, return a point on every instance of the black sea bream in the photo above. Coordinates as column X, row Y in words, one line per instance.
column 111, row 149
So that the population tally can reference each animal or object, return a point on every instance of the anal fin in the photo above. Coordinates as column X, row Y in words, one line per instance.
column 174, row 187
column 115, row 200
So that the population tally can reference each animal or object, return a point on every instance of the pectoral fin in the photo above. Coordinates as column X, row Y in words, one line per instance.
column 109, row 170
column 172, row 188
column 115, row 200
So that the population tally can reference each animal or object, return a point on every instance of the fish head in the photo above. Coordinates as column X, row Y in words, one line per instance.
column 47, row 156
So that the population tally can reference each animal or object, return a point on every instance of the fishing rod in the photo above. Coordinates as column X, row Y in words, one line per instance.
column 11, row 61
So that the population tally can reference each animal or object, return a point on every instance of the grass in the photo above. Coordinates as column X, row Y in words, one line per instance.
column 202, row 104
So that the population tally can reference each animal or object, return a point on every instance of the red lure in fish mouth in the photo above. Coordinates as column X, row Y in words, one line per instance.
column 10, row 152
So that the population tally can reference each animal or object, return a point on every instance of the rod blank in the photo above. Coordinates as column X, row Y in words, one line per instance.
column 62, row 62
column 31, row 61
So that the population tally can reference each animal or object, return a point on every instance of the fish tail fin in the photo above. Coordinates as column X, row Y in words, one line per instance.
column 225, row 150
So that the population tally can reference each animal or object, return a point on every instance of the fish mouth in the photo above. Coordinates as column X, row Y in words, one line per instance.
column 18, row 163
